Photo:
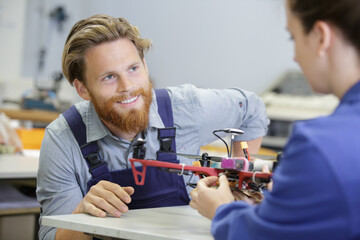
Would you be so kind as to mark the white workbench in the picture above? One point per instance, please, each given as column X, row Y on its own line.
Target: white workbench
column 13, row 166
column 180, row 222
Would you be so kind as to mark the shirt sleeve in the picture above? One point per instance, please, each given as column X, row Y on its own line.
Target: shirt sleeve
column 305, row 202
column 224, row 108
column 58, row 190
column 231, row 108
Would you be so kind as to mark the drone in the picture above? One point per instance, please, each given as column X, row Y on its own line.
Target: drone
column 242, row 173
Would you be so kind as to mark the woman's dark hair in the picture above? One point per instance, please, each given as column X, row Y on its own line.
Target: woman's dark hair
column 344, row 14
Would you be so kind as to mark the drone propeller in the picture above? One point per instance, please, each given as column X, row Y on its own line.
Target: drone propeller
column 203, row 156
column 264, row 157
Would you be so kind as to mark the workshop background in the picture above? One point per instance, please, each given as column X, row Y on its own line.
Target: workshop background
column 209, row 43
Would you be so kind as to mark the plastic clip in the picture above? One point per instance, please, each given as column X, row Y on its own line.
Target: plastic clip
column 182, row 169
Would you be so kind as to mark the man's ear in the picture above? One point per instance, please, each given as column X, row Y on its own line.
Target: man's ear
column 323, row 33
column 81, row 89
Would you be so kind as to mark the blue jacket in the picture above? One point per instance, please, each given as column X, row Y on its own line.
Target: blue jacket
column 315, row 193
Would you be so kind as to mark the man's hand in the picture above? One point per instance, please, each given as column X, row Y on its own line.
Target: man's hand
column 207, row 199
column 105, row 197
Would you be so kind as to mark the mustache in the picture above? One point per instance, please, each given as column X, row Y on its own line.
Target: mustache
column 123, row 97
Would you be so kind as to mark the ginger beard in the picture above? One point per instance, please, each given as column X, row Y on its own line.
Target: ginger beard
column 134, row 120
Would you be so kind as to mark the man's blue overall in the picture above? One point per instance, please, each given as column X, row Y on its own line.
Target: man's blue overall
column 161, row 188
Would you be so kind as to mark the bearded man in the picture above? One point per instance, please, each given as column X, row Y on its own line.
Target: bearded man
column 84, row 160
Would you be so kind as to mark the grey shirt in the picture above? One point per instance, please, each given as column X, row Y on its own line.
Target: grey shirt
column 63, row 173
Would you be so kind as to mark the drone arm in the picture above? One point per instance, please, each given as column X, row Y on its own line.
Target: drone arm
column 138, row 173
column 243, row 176
column 208, row 171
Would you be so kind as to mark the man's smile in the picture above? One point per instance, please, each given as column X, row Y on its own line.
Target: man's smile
column 130, row 100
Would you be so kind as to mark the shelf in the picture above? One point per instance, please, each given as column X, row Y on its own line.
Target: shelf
column 34, row 115
column 278, row 142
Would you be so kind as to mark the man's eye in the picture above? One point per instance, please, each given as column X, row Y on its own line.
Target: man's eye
column 133, row 69
column 109, row 77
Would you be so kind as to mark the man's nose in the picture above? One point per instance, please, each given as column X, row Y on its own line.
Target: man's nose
column 124, row 84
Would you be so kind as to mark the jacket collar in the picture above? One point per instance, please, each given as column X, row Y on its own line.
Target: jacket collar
column 353, row 94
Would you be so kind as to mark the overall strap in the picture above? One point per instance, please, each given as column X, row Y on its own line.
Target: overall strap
column 90, row 151
column 166, row 135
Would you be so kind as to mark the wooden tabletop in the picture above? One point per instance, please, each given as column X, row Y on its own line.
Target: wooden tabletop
column 35, row 115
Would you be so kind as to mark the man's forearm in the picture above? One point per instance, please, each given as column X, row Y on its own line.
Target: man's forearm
column 253, row 147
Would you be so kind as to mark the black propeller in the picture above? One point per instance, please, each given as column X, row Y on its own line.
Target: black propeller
column 206, row 157
column 203, row 156
column 264, row 157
